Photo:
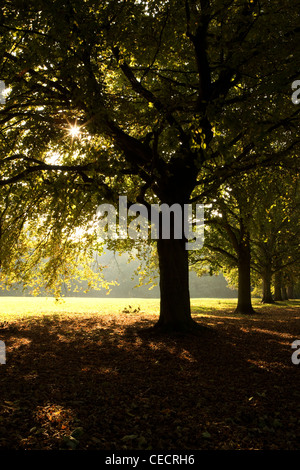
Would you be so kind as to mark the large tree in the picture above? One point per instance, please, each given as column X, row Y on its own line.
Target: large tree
column 171, row 98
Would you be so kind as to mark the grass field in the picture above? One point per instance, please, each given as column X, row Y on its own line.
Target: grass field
column 18, row 307
column 88, row 374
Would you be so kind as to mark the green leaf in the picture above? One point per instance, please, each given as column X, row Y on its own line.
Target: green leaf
column 77, row 433
column 130, row 437
column 71, row 442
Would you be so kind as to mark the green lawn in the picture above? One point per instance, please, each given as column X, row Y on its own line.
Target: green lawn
column 18, row 307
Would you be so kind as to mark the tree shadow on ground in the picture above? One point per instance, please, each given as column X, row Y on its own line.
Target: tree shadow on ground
column 111, row 383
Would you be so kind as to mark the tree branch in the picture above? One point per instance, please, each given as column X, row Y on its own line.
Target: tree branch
column 42, row 166
column 147, row 94
column 222, row 251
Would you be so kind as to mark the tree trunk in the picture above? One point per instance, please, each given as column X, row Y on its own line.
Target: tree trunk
column 244, row 305
column 277, row 286
column 175, row 310
column 290, row 290
column 284, row 293
column 267, row 295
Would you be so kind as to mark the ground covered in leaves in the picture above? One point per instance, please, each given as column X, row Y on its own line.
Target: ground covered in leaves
column 103, row 381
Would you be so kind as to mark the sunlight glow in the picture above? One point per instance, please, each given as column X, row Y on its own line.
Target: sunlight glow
column 74, row 131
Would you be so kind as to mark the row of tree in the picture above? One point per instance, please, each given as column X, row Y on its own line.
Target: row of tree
column 253, row 233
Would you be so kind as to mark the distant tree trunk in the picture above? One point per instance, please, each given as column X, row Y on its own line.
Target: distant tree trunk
column 290, row 290
column 277, row 286
column 244, row 304
column 267, row 295
column 284, row 293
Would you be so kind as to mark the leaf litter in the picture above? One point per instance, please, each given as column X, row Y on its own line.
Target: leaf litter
column 105, row 381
